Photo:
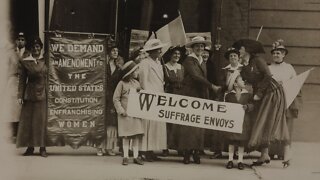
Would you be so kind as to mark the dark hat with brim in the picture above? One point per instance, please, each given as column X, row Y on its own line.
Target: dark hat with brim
column 278, row 46
column 280, row 49
column 167, row 55
column 38, row 41
column 231, row 50
column 128, row 68
column 251, row 46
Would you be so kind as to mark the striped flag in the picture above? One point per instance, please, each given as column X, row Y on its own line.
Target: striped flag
column 173, row 33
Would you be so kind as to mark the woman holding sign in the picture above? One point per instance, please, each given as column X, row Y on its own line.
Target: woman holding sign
column 268, row 96
column 173, row 76
column 151, row 78
column 282, row 71
column 32, row 96
column 195, row 84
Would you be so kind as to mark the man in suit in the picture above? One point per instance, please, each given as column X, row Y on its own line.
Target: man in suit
column 21, row 45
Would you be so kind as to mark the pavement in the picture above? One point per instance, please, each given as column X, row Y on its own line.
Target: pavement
column 65, row 163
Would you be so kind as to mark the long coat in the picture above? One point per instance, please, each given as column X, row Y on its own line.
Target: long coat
column 151, row 78
column 112, row 80
column 195, row 84
column 11, row 111
column 32, row 89
column 127, row 126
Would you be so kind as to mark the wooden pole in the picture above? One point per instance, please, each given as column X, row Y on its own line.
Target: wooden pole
column 259, row 33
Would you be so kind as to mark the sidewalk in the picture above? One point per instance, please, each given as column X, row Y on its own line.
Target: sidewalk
column 65, row 163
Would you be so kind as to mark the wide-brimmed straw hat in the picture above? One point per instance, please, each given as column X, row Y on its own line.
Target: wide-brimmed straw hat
column 128, row 68
column 278, row 46
column 252, row 46
column 198, row 40
column 232, row 78
column 231, row 50
column 153, row 44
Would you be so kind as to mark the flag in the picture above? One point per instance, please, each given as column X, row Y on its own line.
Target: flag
column 292, row 86
column 172, row 33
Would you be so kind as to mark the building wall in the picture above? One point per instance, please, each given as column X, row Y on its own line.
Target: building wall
column 297, row 23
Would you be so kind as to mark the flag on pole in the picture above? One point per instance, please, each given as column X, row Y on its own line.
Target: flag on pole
column 292, row 86
column 172, row 33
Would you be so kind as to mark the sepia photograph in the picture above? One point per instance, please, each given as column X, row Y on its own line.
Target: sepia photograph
column 159, row 89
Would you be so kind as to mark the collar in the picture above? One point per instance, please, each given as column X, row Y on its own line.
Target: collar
column 31, row 58
column 22, row 49
column 200, row 60
column 229, row 67
column 170, row 67
column 279, row 62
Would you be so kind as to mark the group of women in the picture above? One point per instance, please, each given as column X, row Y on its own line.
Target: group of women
column 177, row 73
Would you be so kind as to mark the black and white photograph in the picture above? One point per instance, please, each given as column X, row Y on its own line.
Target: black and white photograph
column 159, row 89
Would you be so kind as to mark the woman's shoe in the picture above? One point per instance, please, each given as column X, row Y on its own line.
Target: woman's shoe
column 240, row 166
column 196, row 158
column 125, row 161
column 138, row 161
column 286, row 163
column 110, row 152
column 43, row 152
column 186, row 160
column 29, row 151
column 99, row 152
column 165, row 152
column 259, row 162
column 229, row 165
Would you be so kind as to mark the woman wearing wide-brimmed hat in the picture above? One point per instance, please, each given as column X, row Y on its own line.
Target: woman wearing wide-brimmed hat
column 282, row 71
column 195, row 85
column 151, row 78
column 32, row 96
column 268, row 96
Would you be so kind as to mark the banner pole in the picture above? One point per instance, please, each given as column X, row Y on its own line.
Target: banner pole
column 116, row 21
column 78, row 33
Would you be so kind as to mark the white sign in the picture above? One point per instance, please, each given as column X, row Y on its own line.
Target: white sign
column 186, row 110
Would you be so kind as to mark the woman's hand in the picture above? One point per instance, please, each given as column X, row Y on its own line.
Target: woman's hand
column 124, row 114
column 245, row 107
column 216, row 89
column 256, row 97
column 20, row 101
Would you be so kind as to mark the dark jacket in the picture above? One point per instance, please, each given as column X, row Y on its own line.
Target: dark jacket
column 32, row 81
column 195, row 81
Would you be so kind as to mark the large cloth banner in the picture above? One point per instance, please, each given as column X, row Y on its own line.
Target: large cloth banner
column 184, row 110
column 76, row 91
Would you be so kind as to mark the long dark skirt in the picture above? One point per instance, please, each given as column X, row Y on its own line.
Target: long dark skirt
column 190, row 138
column 33, row 123
column 270, row 123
